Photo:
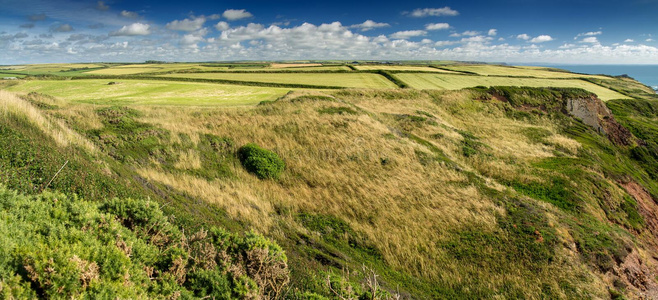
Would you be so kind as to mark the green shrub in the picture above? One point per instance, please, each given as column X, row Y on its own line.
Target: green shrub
column 261, row 162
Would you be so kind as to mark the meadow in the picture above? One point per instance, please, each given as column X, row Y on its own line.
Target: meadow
column 353, row 80
column 456, row 82
column 149, row 92
column 522, row 71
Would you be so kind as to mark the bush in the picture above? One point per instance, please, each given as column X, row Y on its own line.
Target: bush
column 261, row 162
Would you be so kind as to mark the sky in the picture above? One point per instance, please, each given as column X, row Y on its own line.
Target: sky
column 509, row 31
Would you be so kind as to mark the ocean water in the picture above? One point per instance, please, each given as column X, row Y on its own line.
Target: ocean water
column 647, row 74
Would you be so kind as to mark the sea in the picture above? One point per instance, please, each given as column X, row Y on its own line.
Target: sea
column 647, row 74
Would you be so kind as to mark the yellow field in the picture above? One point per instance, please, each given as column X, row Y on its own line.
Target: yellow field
column 356, row 80
column 400, row 68
column 496, row 70
column 151, row 92
column 278, row 66
column 456, row 82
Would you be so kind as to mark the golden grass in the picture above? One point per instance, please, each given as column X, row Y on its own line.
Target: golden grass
column 57, row 129
column 401, row 68
column 539, row 72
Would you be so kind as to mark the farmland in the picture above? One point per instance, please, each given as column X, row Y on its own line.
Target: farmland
column 456, row 82
column 146, row 92
column 403, row 173
column 354, row 80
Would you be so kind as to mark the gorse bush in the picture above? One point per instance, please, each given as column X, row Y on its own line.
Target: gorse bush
column 54, row 246
column 261, row 162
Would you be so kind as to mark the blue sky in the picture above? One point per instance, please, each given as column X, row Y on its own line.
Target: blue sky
column 512, row 31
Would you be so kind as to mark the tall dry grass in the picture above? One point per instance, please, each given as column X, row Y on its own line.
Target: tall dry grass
column 57, row 129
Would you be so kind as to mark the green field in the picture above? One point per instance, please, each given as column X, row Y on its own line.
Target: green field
column 356, row 80
column 400, row 68
column 456, row 82
column 496, row 70
column 145, row 92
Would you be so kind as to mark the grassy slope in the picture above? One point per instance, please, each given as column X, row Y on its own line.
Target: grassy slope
column 443, row 195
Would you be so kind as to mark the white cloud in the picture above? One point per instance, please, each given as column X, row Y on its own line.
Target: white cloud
column 369, row 25
column 628, row 41
column 492, row 32
column 541, row 39
column 236, row 14
column 37, row 17
column 648, row 40
column 221, row 26
column 523, row 37
column 129, row 14
column 437, row 26
column 433, row 12
column 100, row 5
column 567, row 46
column 591, row 33
column 476, row 39
column 133, row 29
column 403, row 35
column 466, row 33
column 187, row 24
column 191, row 39
column 444, row 43
column 591, row 40
column 61, row 28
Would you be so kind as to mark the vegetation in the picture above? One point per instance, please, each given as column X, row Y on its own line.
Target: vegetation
column 487, row 192
column 263, row 163
column 54, row 246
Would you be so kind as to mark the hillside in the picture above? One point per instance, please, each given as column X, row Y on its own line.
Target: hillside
column 456, row 184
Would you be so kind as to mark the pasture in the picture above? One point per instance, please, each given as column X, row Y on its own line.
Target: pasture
column 456, row 82
column 497, row 70
column 145, row 92
column 348, row 80
column 400, row 68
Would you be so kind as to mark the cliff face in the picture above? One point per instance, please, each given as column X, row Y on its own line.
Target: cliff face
column 594, row 113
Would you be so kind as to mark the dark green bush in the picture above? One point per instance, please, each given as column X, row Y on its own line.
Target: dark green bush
column 261, row 162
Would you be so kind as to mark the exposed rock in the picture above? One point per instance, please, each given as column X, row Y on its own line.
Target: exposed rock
column 594, row 113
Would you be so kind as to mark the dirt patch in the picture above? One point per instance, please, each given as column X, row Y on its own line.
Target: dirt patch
column 647, row 207
column 636, row 276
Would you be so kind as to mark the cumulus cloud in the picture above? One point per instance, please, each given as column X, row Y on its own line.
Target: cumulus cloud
column 492, row 32
column 591, row 33
column 523, row 37
column 628, row 41
column 403, row 35
column 187, row 24
column 38, row 17
column 100, row 5
column 221, row 26
column 129, row 14
column 133, row 29
column 437, row 26
column 541, row 39
column 369, row 25
column 432, row 12
column 591, row 40
column 61, row 28
column 236, row 14
column 648, row 40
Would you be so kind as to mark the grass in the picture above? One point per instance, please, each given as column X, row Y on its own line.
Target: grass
column 444, row 193
column 455, row 82
column 360, row 80
column 496, row 70
column 400, row 68
column 145, row 92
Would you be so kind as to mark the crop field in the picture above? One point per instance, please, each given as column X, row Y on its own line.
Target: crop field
column 293, row 65
column 351, row 80
column 145, row 92
column 494, row 70
column 400, row 68
column 456, row 82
